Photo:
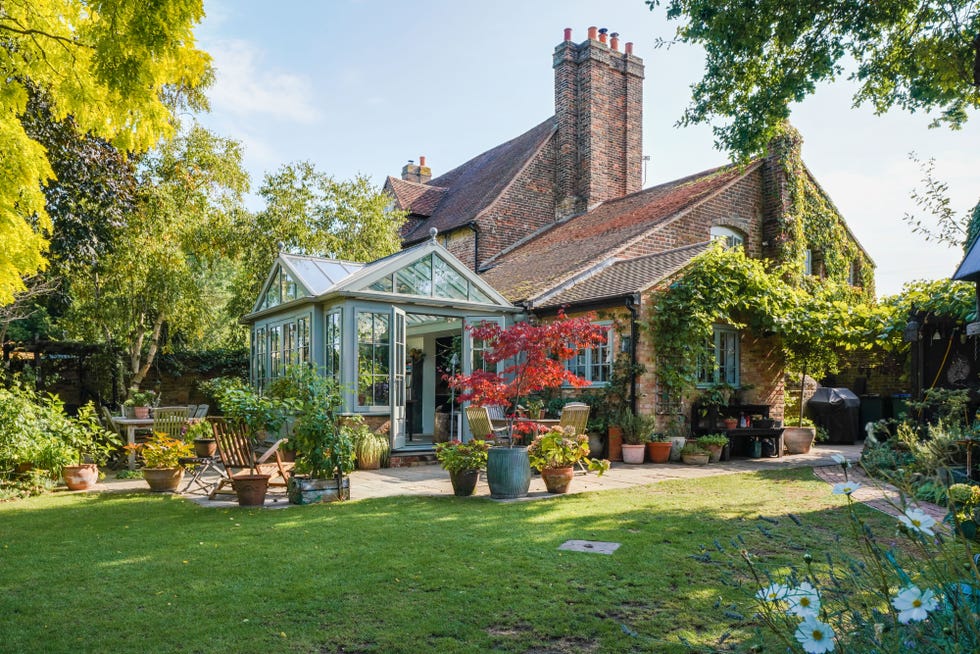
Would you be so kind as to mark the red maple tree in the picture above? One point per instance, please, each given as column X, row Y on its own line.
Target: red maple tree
column 534, row 355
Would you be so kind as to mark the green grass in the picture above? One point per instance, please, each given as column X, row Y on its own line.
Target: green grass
column 145, row 573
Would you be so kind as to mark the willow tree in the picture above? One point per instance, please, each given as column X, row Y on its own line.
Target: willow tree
column 113, row 66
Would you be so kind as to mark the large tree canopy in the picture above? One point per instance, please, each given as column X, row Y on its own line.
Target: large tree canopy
column 113, row 66
column 763, row 55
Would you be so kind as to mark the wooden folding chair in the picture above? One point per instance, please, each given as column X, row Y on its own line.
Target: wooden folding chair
column 480, row 425
column 575, row 415
column 237, row 454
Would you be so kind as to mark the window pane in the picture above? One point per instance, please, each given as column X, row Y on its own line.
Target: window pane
column 384, row 285
column 372, row 358
column 332, row 341
column 476, row 295
column 415, row 279
column 448, row 283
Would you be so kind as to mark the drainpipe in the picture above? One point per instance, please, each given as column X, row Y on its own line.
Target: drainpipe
column 476, row 244
column 633, row 306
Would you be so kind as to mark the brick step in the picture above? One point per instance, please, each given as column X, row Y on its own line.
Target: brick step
column 408, row 459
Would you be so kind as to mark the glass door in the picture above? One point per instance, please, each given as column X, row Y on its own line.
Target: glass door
column 397, row 367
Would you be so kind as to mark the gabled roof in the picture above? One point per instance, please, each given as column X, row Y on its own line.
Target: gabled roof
column 969, row 268
column 317, row 274
column 566, row 249
column 620, row 277
column 469, row 189
column 415, row 197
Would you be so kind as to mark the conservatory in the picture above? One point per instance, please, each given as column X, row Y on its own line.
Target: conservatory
column 388, row 331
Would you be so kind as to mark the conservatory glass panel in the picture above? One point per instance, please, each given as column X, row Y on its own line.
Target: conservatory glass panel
column 275, row 351
column 372, row 358
column 415, row 279
column 476, row 295
column 332, row 359
column 384, row 285
column 303, row 340
column 448, row 283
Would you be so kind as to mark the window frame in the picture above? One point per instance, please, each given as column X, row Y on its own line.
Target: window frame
column 721, row 335
column 587, row 358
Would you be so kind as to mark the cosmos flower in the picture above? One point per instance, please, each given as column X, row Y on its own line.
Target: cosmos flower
column 917, row 520
column 913, row 604
column 816, row 637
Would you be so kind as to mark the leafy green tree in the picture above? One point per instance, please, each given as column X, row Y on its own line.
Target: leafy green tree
column 310, row 212
column 166, row 273
column 917, row 55
column 116, row 67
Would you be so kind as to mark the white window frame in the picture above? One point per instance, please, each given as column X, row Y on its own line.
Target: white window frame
column 724, row 347
column 586, row 359
column 732, row 237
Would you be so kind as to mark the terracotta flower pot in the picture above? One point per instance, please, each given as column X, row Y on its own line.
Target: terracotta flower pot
column 80, row 477
column 251, row 489
column 714, row 453
column 798, row 440
column 633, row 453
column 163, row 480
column 464, row 482
column 658, row 452
column 615, row 443
column 205, row 447
column 556, row 480
column 731, row 423
column 141, row 412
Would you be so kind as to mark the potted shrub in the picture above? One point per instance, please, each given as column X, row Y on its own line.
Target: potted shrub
column 139, row 402
column 369, row 448
column 201, row 434
column 535, row 357
column 658, row 447
column 325, row 450
column 798, row 435
column 535, row 408
column 555, row 453
column 161, row 454
column 636, row 430
column 695, row 455
column 463, row 462
column 89, row 446
column 714, row 443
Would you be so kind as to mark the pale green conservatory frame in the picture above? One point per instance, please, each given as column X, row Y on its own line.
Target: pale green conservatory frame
column 356, row 322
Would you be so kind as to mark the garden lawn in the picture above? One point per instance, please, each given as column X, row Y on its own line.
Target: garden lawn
column 150, row 573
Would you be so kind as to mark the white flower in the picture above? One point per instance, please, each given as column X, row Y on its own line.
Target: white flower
column 773, row 593
column 913, row 605
column 839, row 458
column 816, row 637
column 803, row 601
column 917, row 520
column 846, row 487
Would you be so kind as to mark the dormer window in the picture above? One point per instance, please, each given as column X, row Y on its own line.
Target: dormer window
column 731, row 237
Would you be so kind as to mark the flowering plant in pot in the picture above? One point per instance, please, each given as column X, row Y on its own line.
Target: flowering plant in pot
column 162, row 456
column 555, row 453
column 534, row 357
column 463, row 462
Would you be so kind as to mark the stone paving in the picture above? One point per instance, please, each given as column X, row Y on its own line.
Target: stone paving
column 429, row 480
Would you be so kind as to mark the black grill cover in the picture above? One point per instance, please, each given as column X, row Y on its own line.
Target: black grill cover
column 837, row 410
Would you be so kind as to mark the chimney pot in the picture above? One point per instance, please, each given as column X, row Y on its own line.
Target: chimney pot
column 568, row 33
column 422, row 161
column 629, row 47
column 592, row 33
column 602, row 35
column 614, row 40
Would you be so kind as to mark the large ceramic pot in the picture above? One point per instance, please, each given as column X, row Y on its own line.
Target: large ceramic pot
column 464, row 482
column 676, row 445
column 508, row 472
column 798, row 440
column 303, row 490
column 163, row 480
column 633, row 453
column 714, row 453
column 615, row 443
column 658, row 451
column 80, row 477
column 250, row 489
column 556, row 480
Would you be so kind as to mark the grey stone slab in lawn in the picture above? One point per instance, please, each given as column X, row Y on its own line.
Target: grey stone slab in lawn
column 594, row 546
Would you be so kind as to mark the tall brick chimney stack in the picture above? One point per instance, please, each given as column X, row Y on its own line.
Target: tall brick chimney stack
column 420, row 173
column 599, row 109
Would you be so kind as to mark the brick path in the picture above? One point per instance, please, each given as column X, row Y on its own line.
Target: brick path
column 877, row 494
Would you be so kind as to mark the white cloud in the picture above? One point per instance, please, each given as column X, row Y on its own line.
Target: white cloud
column 244, row 88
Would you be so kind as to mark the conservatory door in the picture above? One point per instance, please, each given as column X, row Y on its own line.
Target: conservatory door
column 397, row 396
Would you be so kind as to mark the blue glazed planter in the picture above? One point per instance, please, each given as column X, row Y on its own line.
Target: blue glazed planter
column 508, row 472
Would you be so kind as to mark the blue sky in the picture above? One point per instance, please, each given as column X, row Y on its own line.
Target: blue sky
column 362, row 87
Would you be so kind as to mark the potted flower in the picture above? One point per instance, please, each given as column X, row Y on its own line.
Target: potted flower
column 139, row 402
column 798, row 435
column 636, row 430
column 555, row 453
column 162, row 456
column 463, row 462
column 201, row 434
column 535, row 357
column 89, row 446
column 535, row 408
column 658, row 447
column 714, row 443
column 695, row 455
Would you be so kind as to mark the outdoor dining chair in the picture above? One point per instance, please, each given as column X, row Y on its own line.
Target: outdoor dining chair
column 170, row 421
column 575, row 415
column 480, row 425
column 202, row 411
column 237, row 454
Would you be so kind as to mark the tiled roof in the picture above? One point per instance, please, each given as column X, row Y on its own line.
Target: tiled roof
column 414, row 197
column 473, row 186
column 622, row 277
column 565, row 249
